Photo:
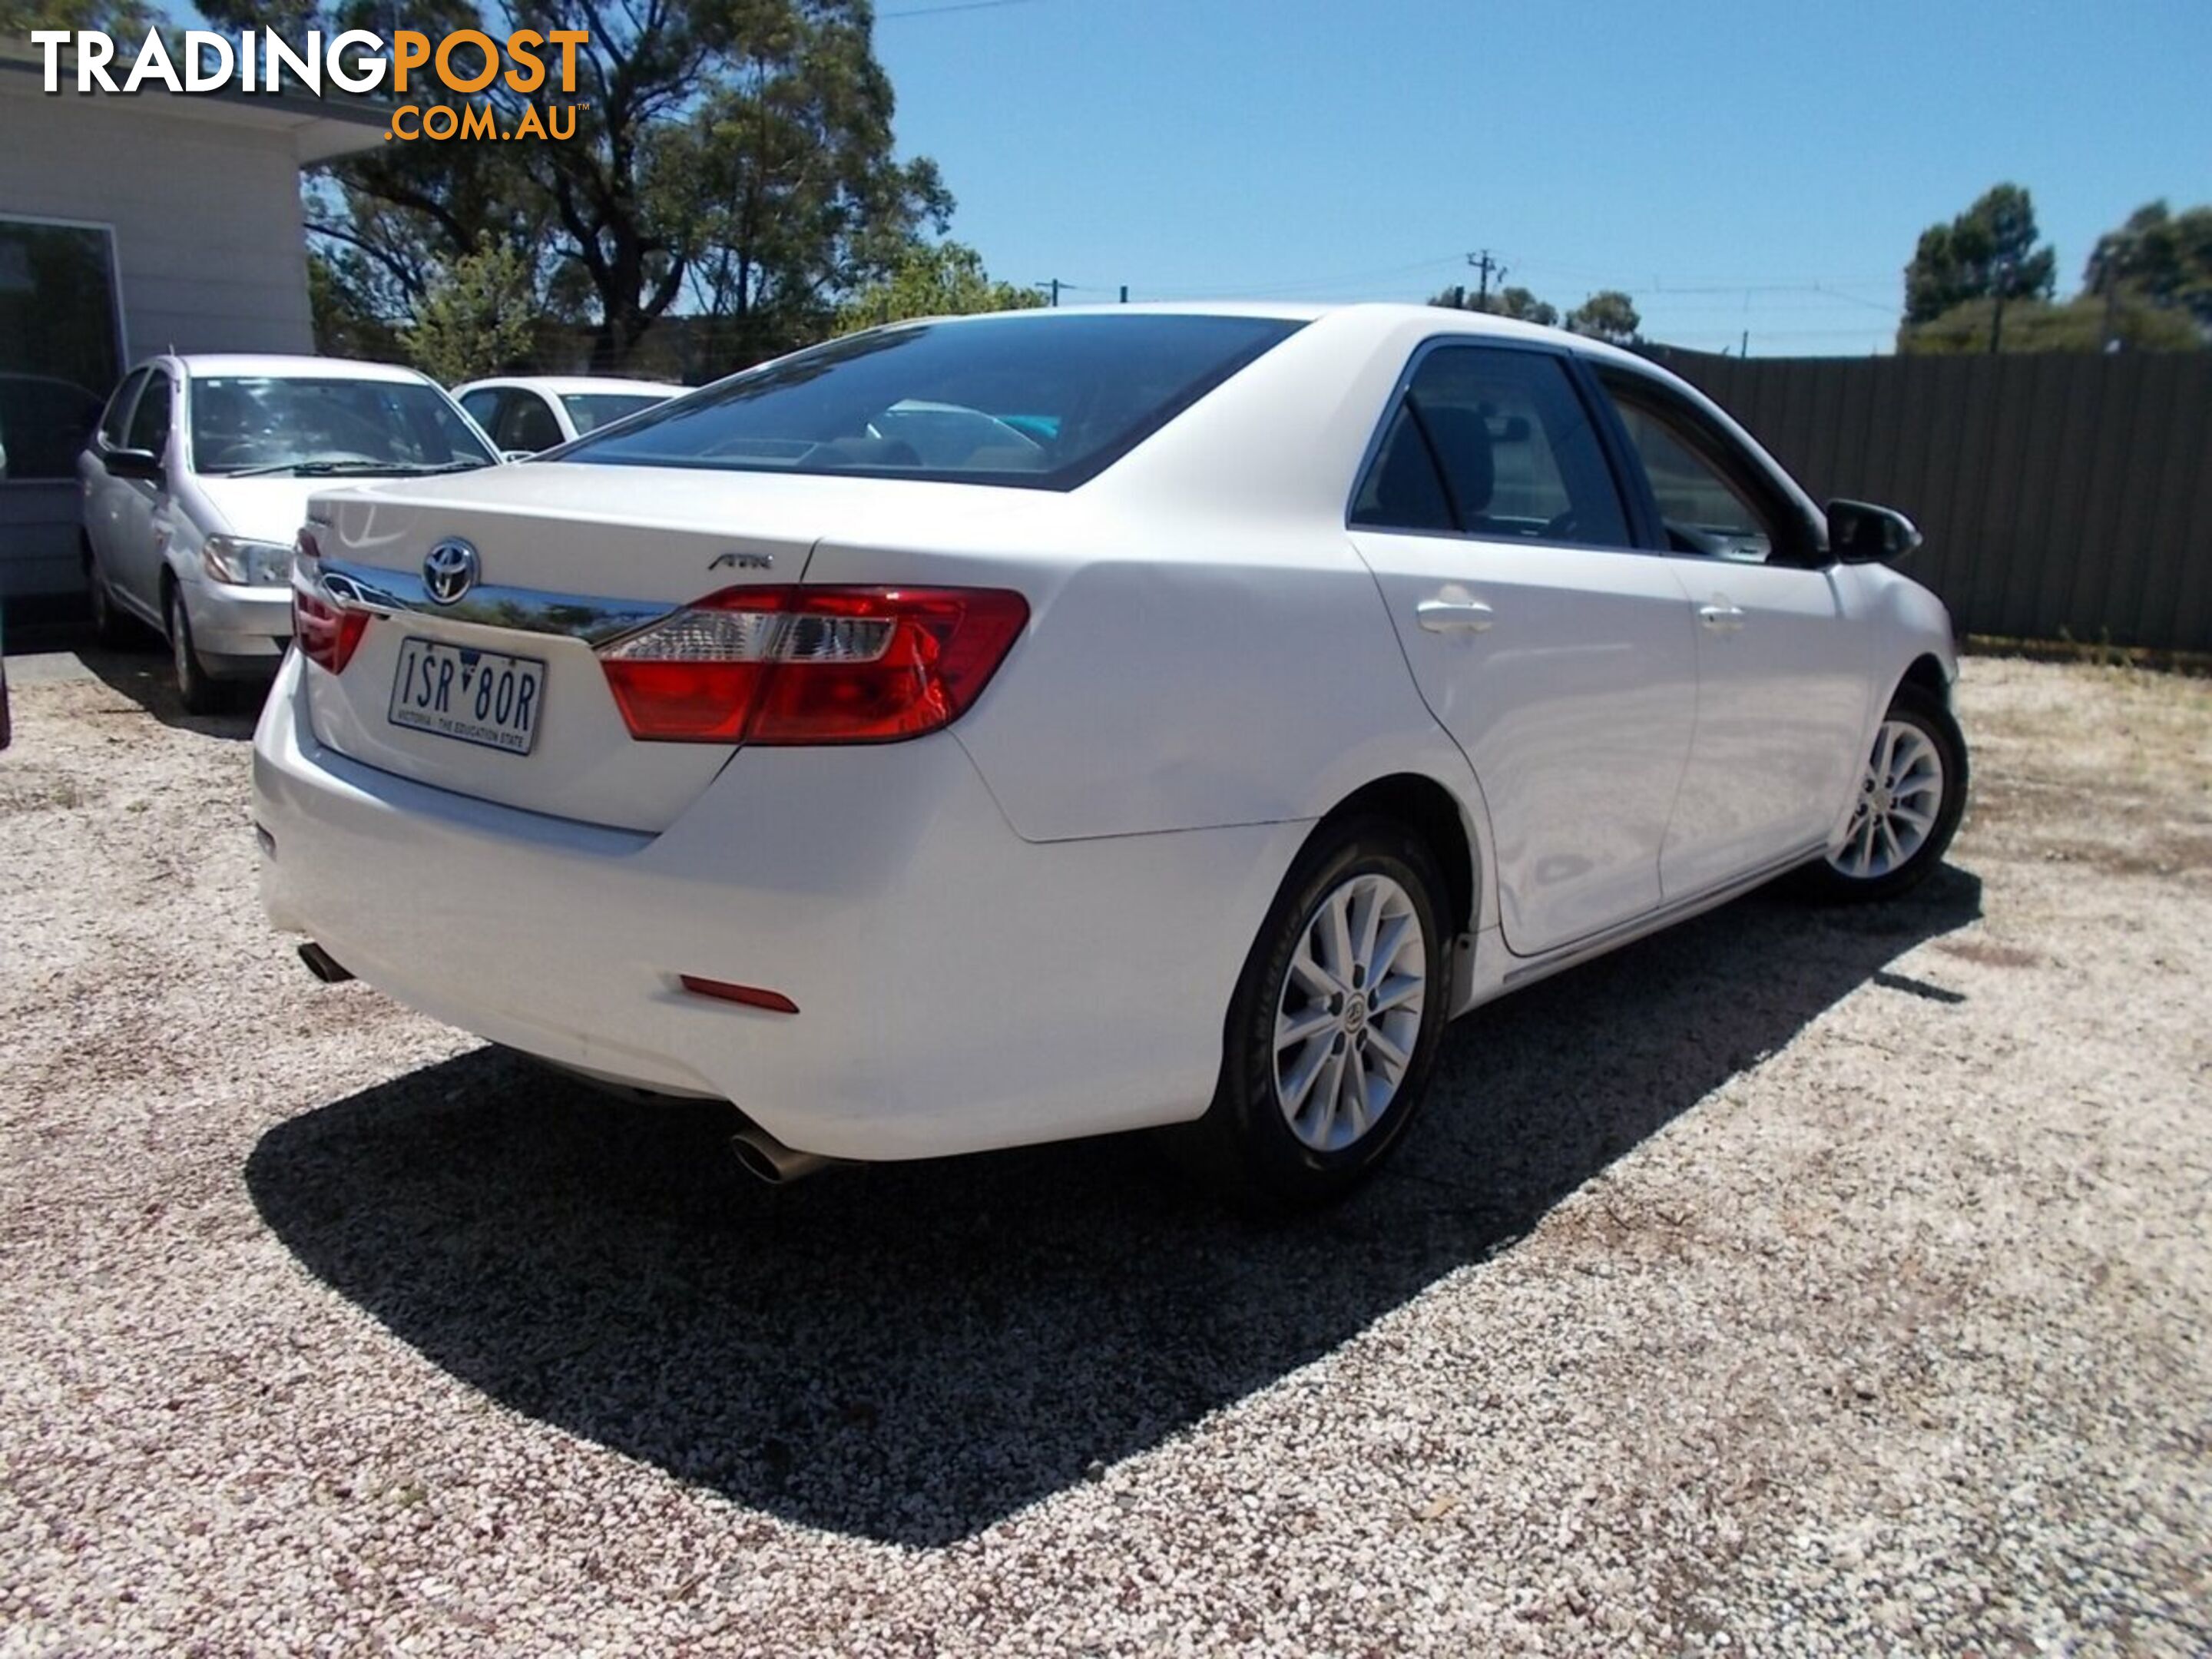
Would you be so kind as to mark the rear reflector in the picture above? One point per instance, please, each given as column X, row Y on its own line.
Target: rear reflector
column 788, row 665
column 751, row 995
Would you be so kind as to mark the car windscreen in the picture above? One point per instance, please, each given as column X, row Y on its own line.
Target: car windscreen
column 246, row 425
column 591, row 410
column 1045, row 402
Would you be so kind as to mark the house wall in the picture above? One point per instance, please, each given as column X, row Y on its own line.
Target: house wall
column 209, row 254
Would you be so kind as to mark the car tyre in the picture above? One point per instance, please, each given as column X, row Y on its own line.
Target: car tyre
column 1912, row 793
column 198, row 690
column 1335, row 1023
column 110, row 627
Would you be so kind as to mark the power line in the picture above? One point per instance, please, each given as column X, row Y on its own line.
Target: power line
column 1682, row 284
column 957, row 5
column 1264, row 290
column 1675, row 338
column 1804, row 301
column 1823, row 292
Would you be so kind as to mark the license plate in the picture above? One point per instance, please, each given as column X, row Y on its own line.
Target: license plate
column 484, row 698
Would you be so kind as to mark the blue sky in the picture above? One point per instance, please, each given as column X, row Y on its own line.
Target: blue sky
column 1733, row 167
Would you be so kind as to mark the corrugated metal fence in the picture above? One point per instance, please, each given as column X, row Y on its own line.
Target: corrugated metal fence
column 2062, row 495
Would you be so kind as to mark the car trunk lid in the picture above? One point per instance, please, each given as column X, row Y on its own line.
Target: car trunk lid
column 486, row 682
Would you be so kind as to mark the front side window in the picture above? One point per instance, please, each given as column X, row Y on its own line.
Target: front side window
column 118, row 409
column 1493, row 442
column 1706, row 508
column 57, row 344
column 1038, row 401
column 480, row 405
column 150, row 422
column 267, row 425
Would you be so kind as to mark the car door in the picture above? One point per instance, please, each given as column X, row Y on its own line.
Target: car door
column 142, row 503
column 104, row 495
column 1782, row 663
column 1561, row 658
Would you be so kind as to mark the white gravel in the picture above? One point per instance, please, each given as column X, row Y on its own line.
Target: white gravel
column 1802, row 1282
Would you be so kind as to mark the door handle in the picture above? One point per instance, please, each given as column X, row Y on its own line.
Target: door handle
column 1454, row 615
column 1721, row 617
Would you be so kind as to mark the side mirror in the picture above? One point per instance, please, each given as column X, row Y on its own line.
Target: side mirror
column 133, row 464
column 1859, row 532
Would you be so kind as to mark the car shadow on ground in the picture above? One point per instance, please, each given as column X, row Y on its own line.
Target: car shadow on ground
column 910, row 1352
column 142, row 673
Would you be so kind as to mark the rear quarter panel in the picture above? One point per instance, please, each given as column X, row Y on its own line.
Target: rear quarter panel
column 1191, row 679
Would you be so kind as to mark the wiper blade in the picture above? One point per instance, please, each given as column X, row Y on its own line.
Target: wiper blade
column 319, row 470
column 348, row 469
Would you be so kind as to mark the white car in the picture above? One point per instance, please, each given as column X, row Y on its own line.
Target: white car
column 1300, row 679
column 526, row 414
column 197, row 475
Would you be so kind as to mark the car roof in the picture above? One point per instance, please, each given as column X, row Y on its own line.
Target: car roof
column 567, row 385
column 288, row 365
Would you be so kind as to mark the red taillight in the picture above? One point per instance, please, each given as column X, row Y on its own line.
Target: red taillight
column 812, row 664
column 326, row 634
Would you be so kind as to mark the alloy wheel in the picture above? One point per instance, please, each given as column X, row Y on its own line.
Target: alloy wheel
column 1348, row 1012
column 1900, row 798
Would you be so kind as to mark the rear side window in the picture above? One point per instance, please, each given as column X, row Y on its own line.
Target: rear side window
column 1495, row 443
column 1045, row 402
column 150, row 422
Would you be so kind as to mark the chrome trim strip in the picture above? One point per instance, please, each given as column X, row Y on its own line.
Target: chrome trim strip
column 596, row 621
column 1651, row 921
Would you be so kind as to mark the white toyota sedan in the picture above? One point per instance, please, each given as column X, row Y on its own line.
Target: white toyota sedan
column 1251, row 690
column 527, row 413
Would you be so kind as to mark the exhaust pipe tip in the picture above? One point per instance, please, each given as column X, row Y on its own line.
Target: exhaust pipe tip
column 766, row 1158
column 323, row 965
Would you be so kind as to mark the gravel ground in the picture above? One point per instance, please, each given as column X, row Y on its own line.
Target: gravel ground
column 1799, row 1282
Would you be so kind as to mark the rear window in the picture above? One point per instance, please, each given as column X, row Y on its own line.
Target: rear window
column 1041, row 402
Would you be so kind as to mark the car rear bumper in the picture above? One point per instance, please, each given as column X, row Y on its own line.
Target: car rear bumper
column 959, row 988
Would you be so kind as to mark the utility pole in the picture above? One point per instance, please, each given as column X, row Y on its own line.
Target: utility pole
column 1125, row 294
column 1997, row 314
column 1056, row 289
column 1484, row 267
